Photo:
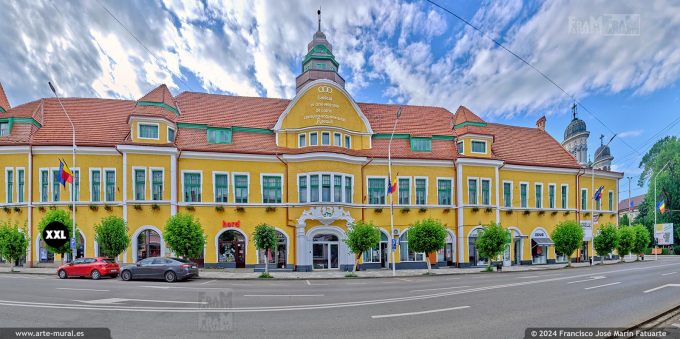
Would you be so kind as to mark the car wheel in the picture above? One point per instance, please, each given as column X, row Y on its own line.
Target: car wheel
column 62, row 274
column 126, row 275
column 95, row 275
column 170, row 276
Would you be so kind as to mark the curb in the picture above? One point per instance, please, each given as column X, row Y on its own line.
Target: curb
column 651, row 322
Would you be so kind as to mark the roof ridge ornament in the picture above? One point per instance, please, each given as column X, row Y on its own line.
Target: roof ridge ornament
column 318, row 12
column 573, row 109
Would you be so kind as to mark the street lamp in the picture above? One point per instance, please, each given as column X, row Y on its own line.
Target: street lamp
column 389, row 170
column 655, row 207
column 592, row 218
column 73, row 182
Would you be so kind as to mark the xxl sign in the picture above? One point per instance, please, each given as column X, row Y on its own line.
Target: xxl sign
column 55, row 234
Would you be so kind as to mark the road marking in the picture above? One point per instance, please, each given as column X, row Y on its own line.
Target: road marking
column 662, row 286
column 669, row 273
column 598, row 286
column 357, row 283
column 417, row 313
column 308, row 283
column 207, row 282
column 283, row 295
column 81, row 289
column 189, row 288
column 437, row 289
column 403, row 279
column 119, row 300
column 538, row 276
column 586, row 280
column 676, row 325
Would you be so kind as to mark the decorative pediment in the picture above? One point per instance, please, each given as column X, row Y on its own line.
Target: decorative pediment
column 326, row 215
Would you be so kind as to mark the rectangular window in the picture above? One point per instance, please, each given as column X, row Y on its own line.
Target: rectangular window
column 486, row 192
column 313, row 139
column 4, row 129
column 507, row 194
column 611, row 201
column 44, row 186
column 314, row 188
column 140, row 184
column 148, row 131
column 337, row 188
column 325, row 138
column 551, row 196
column 218, row 136
column 348, row 190
column 110, row 183
column 472, row 191
column 598, row 204
column 564, row 196
column 271, row 189
column 584, row 199
column 421, row 191
column 337, row 139
column 156, row 185
column 95, row 185
column 192, row 187
column 348, row 141
column 421, row 144
column 76, row 184
column 20, row 184
column 444, row 192
column 171, row 134
column 478, row 146
column 539, row 196
column 302, row 189
column 460, row 147
column 302, row 140
column 10, row 186
column 221, row 187
column 404, row 187
column 376, row 191
column 241, row 189
column 326, row 188
column 523, row 195
column 55, row 185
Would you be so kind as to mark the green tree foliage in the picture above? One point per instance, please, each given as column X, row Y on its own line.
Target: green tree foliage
column 361, row 238
column 63, row 217
column 111, row 234
column 265, row 240
column 184, row 235
column 427, row 235
column 626, row 241
column 624, row 220
column 606, row 241
column 568, row 237
column 13, row 242
column 641, row 239
column 492, row 241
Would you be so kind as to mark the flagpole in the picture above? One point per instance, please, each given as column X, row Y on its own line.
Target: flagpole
column 655, row 206
column 389, row 170
column 73, row 181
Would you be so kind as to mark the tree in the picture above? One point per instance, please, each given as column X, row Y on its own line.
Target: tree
column 624, row 220
column 567, row 236
column 184, row 235
column 641, row 240
column 265, row 239
column 60, row 216
column 13, row 242
column 361, row 238
column 427, row 235
column 492, row 241
column 112, row 236
column 606, row 241
column 626, row 241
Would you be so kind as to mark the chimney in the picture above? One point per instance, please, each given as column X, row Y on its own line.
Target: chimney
column 540, row 123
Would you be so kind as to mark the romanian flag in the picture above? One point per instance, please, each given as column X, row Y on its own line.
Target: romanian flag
column 65, row 174
column 391, row 186
column 598, row 193
column 661, row 206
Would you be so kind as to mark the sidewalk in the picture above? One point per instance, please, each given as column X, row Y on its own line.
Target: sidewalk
column 382, row 273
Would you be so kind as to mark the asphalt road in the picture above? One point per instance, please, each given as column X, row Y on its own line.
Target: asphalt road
column 489, row 305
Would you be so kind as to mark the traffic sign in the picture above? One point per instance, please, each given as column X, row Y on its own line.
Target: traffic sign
column 394, row 244
column 73, row 243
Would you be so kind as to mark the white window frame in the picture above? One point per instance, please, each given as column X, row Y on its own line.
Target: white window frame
column 610, row 196
column 566, row 203
column 80, row 184
column 214, row 185
column 167, row 134
column 463, row 149
column 115, row 183
column 536, row 184
column 9, row 193
column 453, row 190
column 134, row 182
column 410, row 191
column 580, row 202
column 101, row 183
column 339, row 136
column 520, row 193
column 151, row 170
column 427, row 183
column 481, row 193
column 16, row 183
column 348, row 141
column 49, row 183
column 554, row 202
column 316, row 140
column 472, row 141
column 8, row 129
column 302, row 136
column 139, row 129
column 307, row 189
column 329, row 138
column 320, row 174
column 262, row 175
column 233, row 186
column 368, row 198
column 200, row 173
column 477, row 193
column 511, row 193
column 52, row 170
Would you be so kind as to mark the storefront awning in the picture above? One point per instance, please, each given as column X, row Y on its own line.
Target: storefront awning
column 543, row 241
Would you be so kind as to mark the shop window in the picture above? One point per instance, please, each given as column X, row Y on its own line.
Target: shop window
column 375, row 254
column 278, row 256
column 148, row 244
column 405, row 254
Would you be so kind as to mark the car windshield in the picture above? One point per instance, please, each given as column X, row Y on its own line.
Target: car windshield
column 108, row 261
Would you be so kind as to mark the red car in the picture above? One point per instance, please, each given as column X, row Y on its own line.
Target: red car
column 94, row 268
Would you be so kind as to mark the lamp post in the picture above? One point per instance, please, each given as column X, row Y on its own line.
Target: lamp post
column 73, row 182
column 389, row 170
column 655, row 207
column 629, row 206
column 592, row 218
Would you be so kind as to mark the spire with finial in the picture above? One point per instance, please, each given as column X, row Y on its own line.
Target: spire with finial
column 319, row 62
column 601, row 139
column 318, row 12
column 573, row 110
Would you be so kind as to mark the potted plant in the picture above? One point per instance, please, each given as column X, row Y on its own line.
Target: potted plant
column 527, row 212
column 155, row 207
column 137, row 207
column 108, row 208
column 270, row 209
column 488, row 209
column 191, row 208
column 219, row 208
column 94, row 207
column 240, row 209
column 378, row 210
column 422, row 210
column 17, row 209
column 475, row 209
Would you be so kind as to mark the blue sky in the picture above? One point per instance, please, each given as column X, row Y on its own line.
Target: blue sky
column 389, row 51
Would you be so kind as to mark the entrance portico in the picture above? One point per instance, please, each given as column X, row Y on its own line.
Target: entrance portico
column 323, row 246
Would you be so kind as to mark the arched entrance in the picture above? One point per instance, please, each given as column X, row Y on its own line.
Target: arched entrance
column 305, row 248
column 473, row 255
column 231, row 248
column 377, row 256
column 44, row 254
column 325, row 251
column 514, row 258
column 148, row 244
column 80, row 247
column 539, row 246
column 446, row 255
column 405, row 253
column 279, row 256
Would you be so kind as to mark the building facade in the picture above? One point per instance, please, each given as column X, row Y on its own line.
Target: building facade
column 310, row 166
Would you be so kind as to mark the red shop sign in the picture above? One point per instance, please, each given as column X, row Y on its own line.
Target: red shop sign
column 236, row 223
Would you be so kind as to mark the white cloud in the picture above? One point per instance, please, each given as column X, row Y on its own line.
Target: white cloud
column 631, row 133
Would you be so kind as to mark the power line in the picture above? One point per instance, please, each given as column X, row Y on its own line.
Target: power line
column 545, row 76
column 668, row 127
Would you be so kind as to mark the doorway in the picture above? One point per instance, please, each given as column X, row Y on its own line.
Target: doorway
column 325, row 251
column 232, row 248
column 584, row 252
column 383, row 254
column 517, row 246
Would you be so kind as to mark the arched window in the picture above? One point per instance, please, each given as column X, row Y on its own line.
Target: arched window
column 148, row 244
column 375, row 255
column 474, row 256
column 279, row 255
column 325, row 251
column 44, row 254
column 446, row 254
column 231, row 248
column 405, row 253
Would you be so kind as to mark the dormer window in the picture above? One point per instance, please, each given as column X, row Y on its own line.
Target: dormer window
column 171, row 134
column 461, row 147
column 4, row 129
column 421, row 144
column 478, row 146
column 218, row 136
column 148, row 131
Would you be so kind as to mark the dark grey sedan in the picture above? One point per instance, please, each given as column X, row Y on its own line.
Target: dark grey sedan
column 168, row 269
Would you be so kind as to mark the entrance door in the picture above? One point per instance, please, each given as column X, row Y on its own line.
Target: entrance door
column 232, row 248
column 383, row 254
column 518, row 251
column 239, row 253
column 325, row 251
column 506, row 256
column 584, row 252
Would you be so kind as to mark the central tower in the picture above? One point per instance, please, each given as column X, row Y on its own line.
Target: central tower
column 319, row 63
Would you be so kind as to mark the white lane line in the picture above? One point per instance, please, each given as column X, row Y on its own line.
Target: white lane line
column 539, row 276
column 669, row 273
column 356, row 283
column 586, row 280
column 190, row 288
column 308, row 283
column 660, row 287
column 283, row 295
column 528, row 277
column 207, row 282
column 119, row 300
column 438, row 289
column 417, row 313
column 403, row 279
column 81, row 289
column 676, row 325
column 598, row 286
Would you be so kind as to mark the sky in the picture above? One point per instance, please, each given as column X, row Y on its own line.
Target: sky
column 620, row 59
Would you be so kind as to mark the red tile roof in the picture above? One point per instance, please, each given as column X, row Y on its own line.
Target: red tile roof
column 4, row 103
column 463, row 114
column 636, row 200
column 528, row 146
column 226, row 111
column 160, row 94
